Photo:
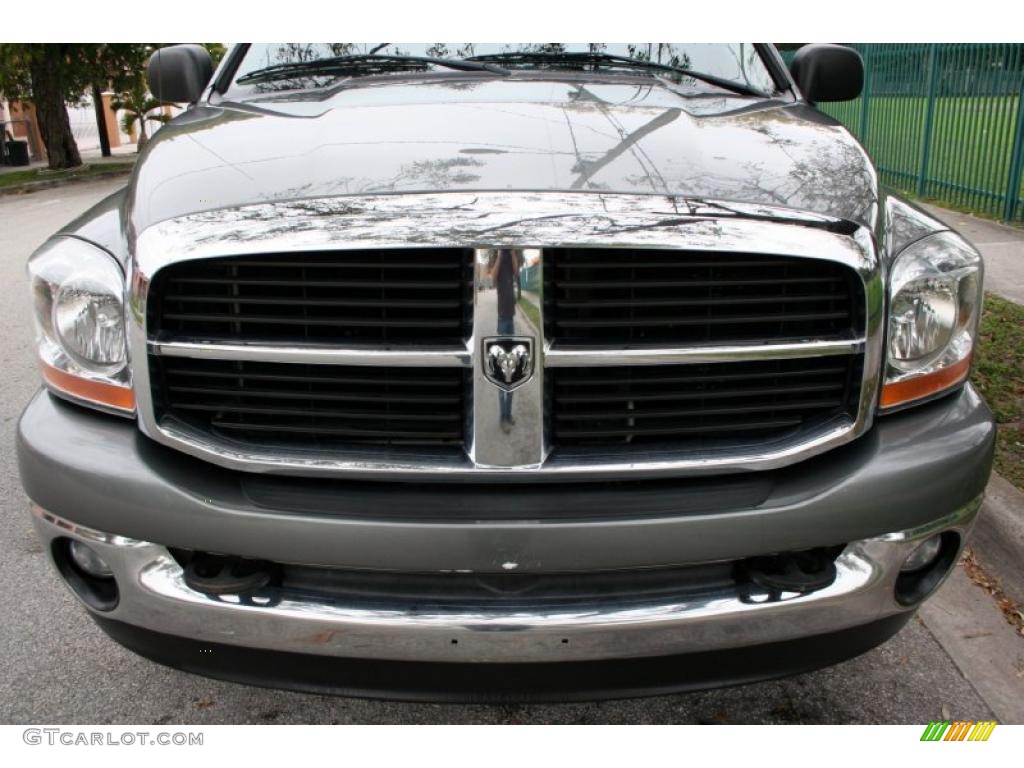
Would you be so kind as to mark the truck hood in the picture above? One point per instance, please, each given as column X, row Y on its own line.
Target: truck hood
column 461, row 134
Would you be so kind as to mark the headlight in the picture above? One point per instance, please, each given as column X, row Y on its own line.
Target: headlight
column 934, row 305
column 78, row 302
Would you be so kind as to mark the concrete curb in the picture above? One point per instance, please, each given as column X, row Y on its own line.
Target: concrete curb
column 966, row 621
column 987, row 650
column 998, row 538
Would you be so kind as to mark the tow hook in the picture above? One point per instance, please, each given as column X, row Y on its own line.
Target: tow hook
column 224, row 575
column 795, row 572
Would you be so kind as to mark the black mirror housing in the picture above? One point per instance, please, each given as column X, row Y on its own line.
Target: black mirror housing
column 179, row 73
column 827, row 72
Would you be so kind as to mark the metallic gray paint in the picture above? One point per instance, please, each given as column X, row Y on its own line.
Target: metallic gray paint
column 180, row 173
column 629, row 135
column 103, row 225
column 911, row 469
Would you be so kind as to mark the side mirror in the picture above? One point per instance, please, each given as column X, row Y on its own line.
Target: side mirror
column 827, row 72
column 179, row 73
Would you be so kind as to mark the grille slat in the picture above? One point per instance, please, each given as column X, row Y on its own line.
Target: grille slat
column 439, row 304
column 300, row 264
column 713, row 377
column 405, row 396
column 703, row 302
column 703, row 429
column 583, row 263
column 701, row 321
column 715, row 411
column 434, row 284
column 645, row 395
column 318, row 413
column 368, row 435
column 709, row 283
column 228, row 318
column 426, row 379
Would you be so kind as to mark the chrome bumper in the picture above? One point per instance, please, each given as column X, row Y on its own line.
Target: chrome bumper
column 154, row 596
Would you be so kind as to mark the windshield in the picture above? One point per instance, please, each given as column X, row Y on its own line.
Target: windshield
column 270, row 67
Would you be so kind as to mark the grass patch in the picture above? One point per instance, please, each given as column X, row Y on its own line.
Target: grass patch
column 999, row 376
column 32, row 175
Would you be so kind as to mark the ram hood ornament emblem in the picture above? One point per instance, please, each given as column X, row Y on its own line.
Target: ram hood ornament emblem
column 508, row 360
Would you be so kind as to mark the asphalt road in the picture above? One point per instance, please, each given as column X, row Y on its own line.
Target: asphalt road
column 57, row 667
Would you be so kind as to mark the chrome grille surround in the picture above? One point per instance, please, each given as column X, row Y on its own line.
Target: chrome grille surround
column 523, row 222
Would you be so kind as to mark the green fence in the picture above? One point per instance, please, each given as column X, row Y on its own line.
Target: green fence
column 944, row 121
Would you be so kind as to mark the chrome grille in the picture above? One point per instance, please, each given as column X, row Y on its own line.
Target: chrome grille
column 313, row 347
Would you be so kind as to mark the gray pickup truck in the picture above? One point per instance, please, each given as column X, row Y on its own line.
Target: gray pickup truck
column 463, row 371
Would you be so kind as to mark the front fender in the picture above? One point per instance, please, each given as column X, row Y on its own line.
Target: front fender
column 904, row 223
column 103, row 225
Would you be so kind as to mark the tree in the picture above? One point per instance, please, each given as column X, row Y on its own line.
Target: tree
column 137, row 104
column 43, row 74
column 54, row 75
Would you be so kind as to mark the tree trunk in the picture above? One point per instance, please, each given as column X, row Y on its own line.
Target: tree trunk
column 48, row 95
column 101, row 121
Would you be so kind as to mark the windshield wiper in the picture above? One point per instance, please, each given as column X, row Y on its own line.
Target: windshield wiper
column 596, row 58
column 369, row 63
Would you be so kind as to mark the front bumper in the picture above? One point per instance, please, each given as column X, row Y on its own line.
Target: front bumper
column 96, row 479
column 154, row 596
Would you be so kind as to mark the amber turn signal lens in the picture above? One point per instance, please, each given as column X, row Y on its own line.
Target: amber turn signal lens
column 909, row 390
column 101, row 393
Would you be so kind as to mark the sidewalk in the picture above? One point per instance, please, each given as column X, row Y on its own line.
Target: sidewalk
column 1001, row 245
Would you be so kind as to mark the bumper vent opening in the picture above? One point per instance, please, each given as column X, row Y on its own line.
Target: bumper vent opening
column 99, row 593
column 758, row 579
column 698, row 407
column 627, row 297
column 350, row 297
column 318, row 406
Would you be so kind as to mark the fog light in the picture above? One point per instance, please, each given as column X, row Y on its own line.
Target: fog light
column 926, row 567
column 86, row 558
column 923, row 556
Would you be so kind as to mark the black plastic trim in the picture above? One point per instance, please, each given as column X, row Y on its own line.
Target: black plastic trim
column 100, row 594
column 914, row 587
column 562, row 681
column 222, row 81
column 776, row 67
